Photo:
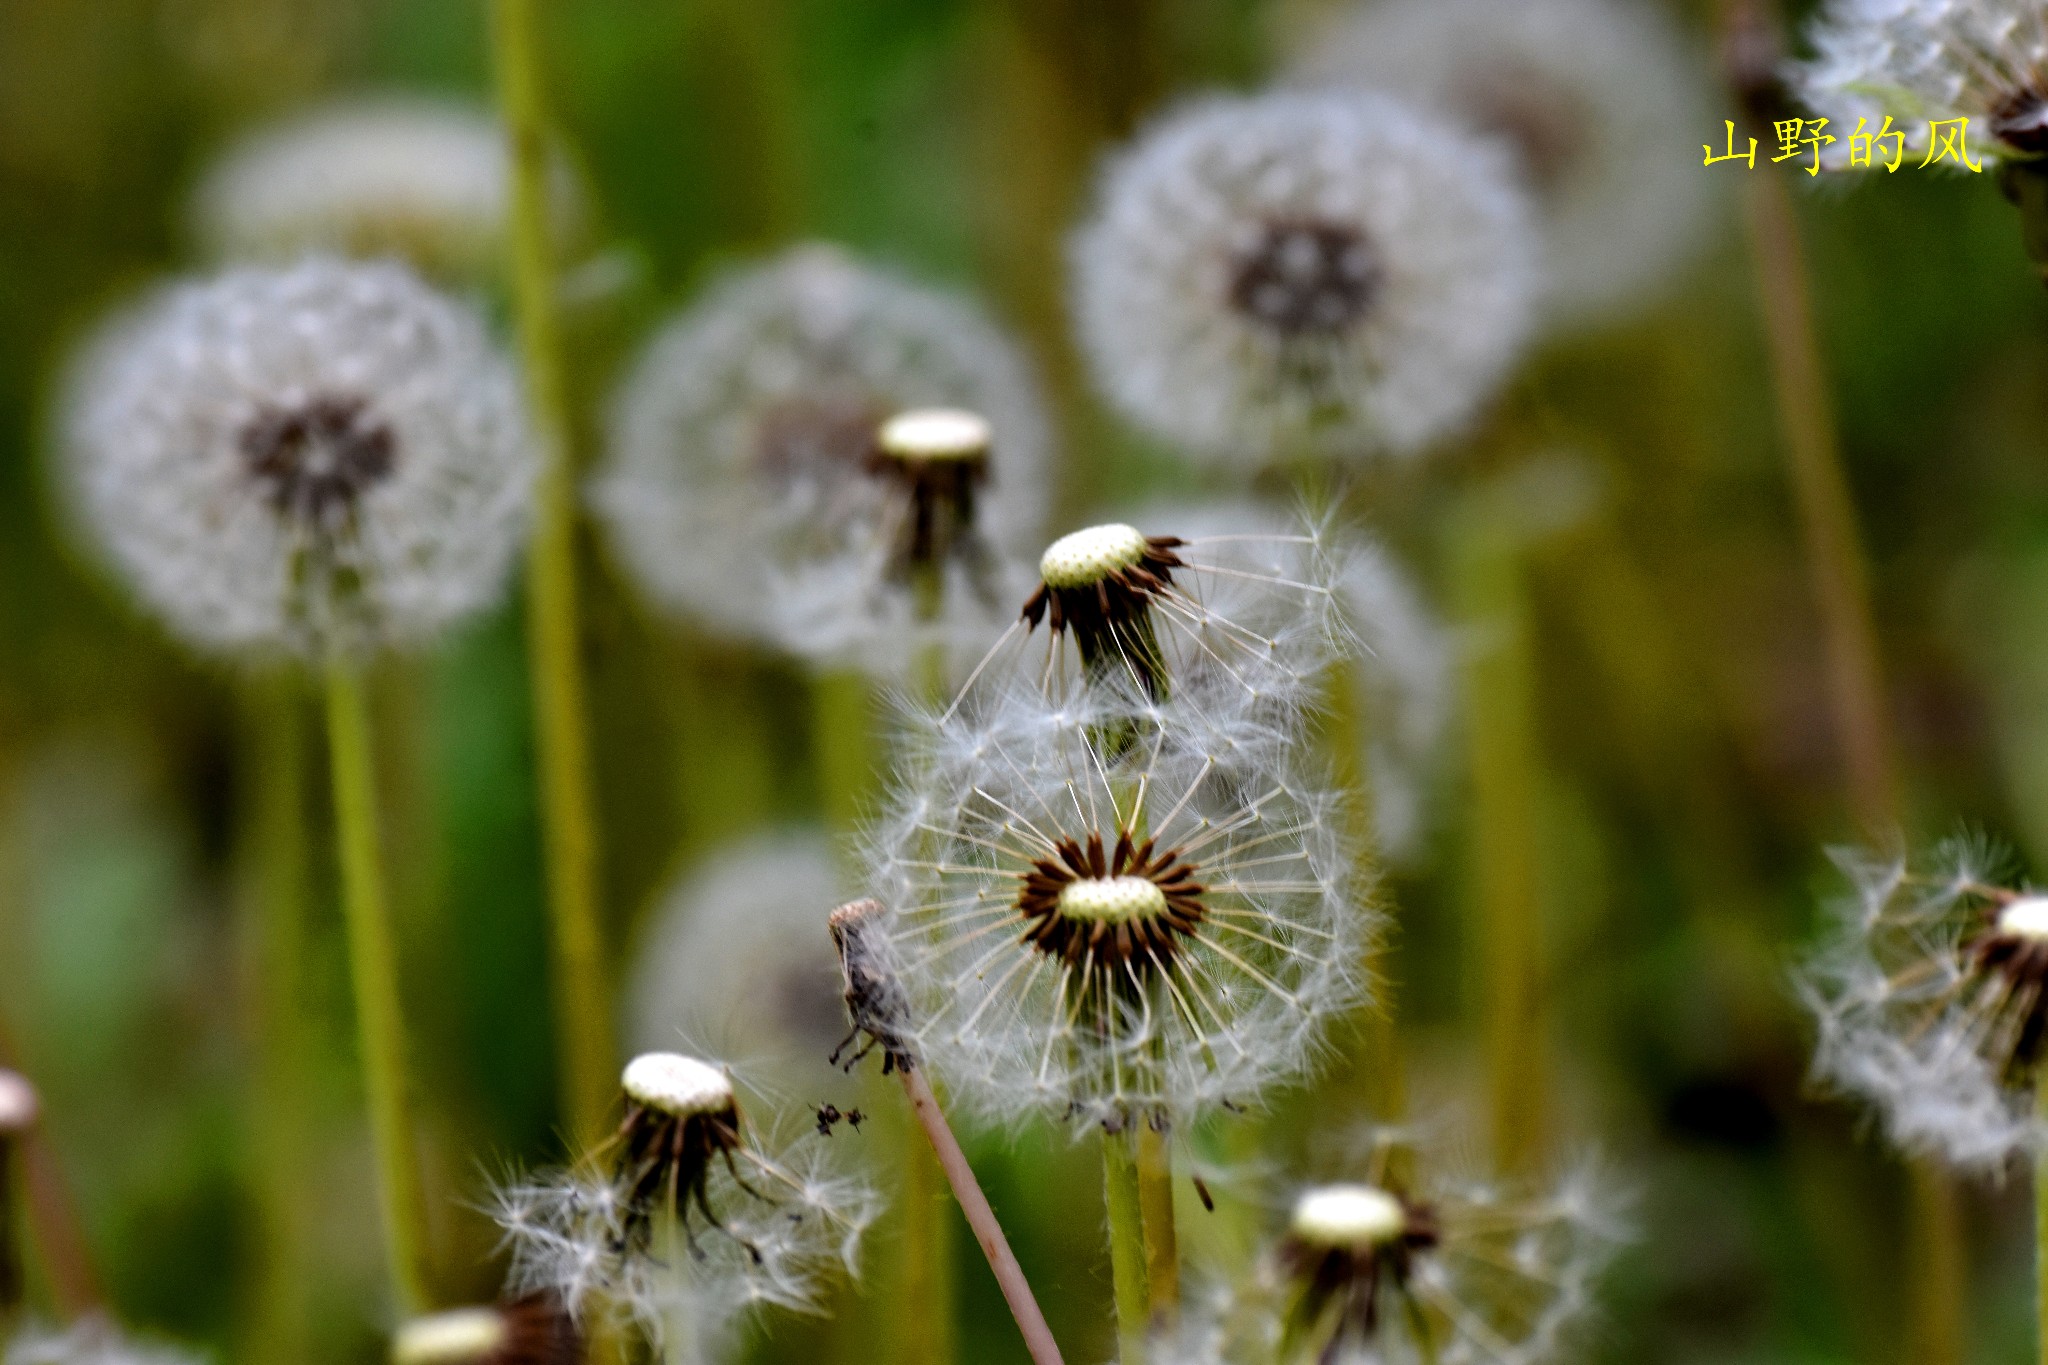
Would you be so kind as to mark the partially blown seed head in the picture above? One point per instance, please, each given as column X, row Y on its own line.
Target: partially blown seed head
column 830, row 458
column 1304, row 274
column 423, row 181
column 327, row 455
column 1591, row 96
column 687, row 1218
column 1136, row 936
column 1921, row 61
column 1931, row 994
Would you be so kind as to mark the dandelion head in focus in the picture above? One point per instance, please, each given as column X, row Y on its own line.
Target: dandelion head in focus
column 1925, row 61
column 90, row 1341
column 422, row 181
column 738, row 954
column 834, row 460
column 533, row 1330
column 1137, row 936
column 1460, row 1273
column 323, row 456
column 1304, row 274
column 1591, row 96
column 688, row 1217
column 1931, row 995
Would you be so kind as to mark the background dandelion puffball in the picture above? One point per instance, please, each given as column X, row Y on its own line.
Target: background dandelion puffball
column 1593, row 97
column 1292, row 274
column 328, row 454
column 733, row 485
column 422, row 180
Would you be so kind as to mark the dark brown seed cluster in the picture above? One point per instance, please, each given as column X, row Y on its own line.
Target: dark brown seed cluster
column 875, row 1005
column 938, row 499
column 1147, row 941
column 1544, row 122
column 315, row 460
column 538, row 1331
column 1110, row 617
column 1341, row 1289
column 2020, row 120
column 2022, row 961
column 1306, row 278
column 665, row 1165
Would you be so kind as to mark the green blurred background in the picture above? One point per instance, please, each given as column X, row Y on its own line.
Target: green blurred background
column 1691, row 781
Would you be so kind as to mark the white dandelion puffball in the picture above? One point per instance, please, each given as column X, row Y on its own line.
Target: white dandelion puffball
column 1368, row 1272
column 1293, row 274
column 1110, row 937
column 1922, row 61
column 1400, row 652
column 689, row 1218
column 740, row 950
column 747, row 483
column 329, row 455
column 1597, row 99
column 425, row 181
column 90, row 1341
column 1931, row 996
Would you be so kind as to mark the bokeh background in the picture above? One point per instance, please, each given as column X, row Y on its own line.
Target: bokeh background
column 1691, row 782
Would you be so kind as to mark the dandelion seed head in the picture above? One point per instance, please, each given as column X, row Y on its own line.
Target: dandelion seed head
column 426, row 182
column 678, row 1086
column 532, row 1330
column 1920, row 61
column 1111, row 934
column 327, row 455
column 1589, row 95
column 1303, row 273
column 1930, row 997
column 1348, row 1216
column 831, row 459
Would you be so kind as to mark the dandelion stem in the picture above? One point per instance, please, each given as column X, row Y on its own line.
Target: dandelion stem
column 1937, row 1269
column 583, row 1018
column 988, row 1231
column 373, row 965
column 1162, row 1242
column 1125, row 1204
column 275, row 901
column 1501, row 743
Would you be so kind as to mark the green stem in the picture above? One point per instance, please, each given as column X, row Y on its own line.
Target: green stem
column 275, row 900
column 373, row 965
column 1162, row 1239
column 1125, row 1203
column 588, row 1057
column 1501, row 751
column 1937, row 1268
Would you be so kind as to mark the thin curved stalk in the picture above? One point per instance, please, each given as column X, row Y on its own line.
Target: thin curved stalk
column 588, row 1056
column 1038, row 1339
column 373, row 967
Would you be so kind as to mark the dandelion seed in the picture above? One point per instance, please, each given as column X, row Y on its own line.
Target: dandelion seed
column 1368, row 1271
column 528, row 1331
column 1590, row 95
column 91, row 1341
column 1927, row 61
column 1141, row 935
column 1304, row 274
column 423, row 181
column 1400, row 651
column 738, row 954
column 1931, row 993
column 831, row 459
column 690, row 1219
column 327, row 455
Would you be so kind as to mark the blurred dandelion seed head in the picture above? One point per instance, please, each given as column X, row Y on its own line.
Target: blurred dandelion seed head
column 1589, row 95
column 1348, row 1216
column 1930, row 993
column 459, row 1336
column 1921, row 61
column 90, row 1341
column 19, row 1106
column 422, row 181
column 777, row 468
column 1294, row 274
column 325, row 455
